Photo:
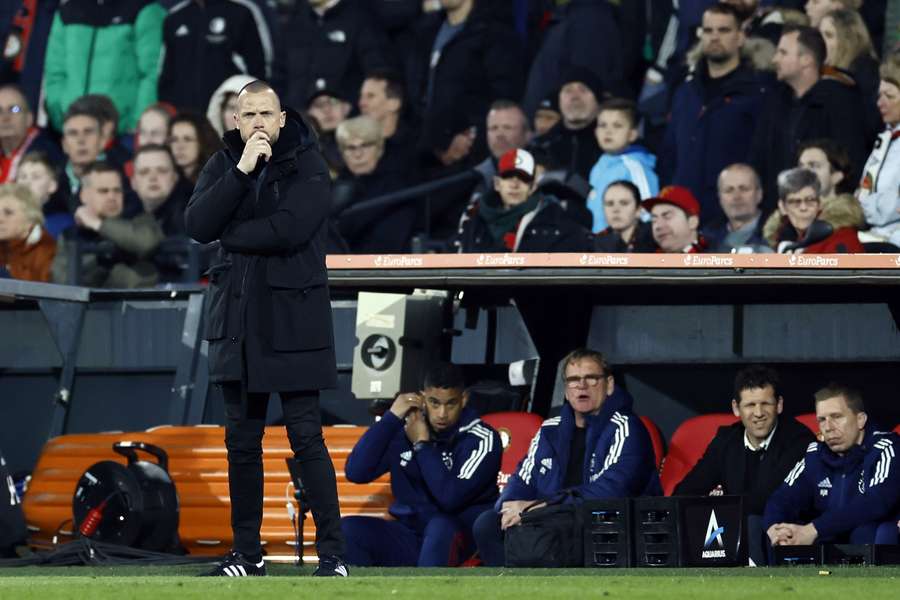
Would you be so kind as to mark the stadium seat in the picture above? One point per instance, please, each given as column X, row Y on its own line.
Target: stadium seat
column 516, row 430
column 897, row 429
column 687, row 446
column 809, row 419
column 198, row 467
column 656, row 438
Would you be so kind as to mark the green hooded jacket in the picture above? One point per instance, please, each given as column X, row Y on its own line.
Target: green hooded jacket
column 109, row 47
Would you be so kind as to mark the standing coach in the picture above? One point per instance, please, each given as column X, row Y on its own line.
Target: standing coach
column 265, row 198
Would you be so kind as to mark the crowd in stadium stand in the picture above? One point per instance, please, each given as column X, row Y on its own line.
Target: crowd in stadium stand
column 663, row 126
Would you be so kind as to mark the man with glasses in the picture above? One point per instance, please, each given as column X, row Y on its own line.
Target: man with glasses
column 597, row 448
column 18, row 134
column 443, row 460
column 751, row 457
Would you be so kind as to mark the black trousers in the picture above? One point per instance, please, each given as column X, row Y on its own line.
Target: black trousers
column 245, row 425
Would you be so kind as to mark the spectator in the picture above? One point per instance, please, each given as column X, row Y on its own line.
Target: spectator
column 192, row 141
column 625, row 231
column 879, row 190
column 849, row 48
column 120, row 258
column 380, row 229
column 161, row 191
column 82, row 143
column 28, row 27
column 103, row 108
column 335, row 40
column 464, row 60
column 153, row 125
column 849, row 483
column 799, row 204
column 675, row 215
column 831, row 165
column 740, row 196
column 26, row 249
column 205, row 43
column 382, row 97
column 572, row 145
column 583, row 34
column 443, row 462
column 597, row 423
column 806, row 106
column 39, row 175
column 519, row 218
column 616, row 133
column 329, row 108
column 752, row 457
column 547, row 114
column 18, row 134
column 507, row 129
column 223, row 103
column 110, row 48
column 714, row 112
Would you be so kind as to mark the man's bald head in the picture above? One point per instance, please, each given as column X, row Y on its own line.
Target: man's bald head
column 258, row 86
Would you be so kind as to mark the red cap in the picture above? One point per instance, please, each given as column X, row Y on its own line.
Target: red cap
column 675, row 195
column 516, row 162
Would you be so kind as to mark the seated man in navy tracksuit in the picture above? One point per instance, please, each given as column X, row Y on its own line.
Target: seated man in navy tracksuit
column 443, row 461
column 845, row 489
column 597, row 446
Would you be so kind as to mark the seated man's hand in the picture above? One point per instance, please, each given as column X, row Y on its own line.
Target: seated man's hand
column 803, row 535
column 87, row 218
column 511, row 512
column 780, row 534
column 405, row 403
column 717, row 491
column 416, row 427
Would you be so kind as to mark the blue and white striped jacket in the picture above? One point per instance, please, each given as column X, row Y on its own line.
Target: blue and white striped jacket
column 619, row 461
column 840, row 493
column 455, row 473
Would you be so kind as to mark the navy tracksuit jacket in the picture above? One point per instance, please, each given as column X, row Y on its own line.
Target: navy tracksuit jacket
column 839, row 494
column 456, row 472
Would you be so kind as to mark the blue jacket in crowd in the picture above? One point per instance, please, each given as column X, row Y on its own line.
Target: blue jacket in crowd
column 634, row 164
column 456, row 472
column 840, row 493
column 619, row 461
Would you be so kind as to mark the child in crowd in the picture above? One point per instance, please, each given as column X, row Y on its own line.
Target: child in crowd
column 40, row 176
column 622, row 159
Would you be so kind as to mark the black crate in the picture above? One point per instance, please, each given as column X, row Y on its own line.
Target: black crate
column 656, row 532
column 607, row 533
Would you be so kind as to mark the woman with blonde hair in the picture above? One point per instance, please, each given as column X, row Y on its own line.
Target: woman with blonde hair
column 26, row 249
column 878, row 189
column 849, row 48
column 382, row 228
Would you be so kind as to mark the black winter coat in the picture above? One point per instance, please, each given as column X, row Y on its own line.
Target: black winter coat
column 573, row 151
column 205, row 45
column 707, row 133
column 340, row 47
column 641, row 240
column 724, row 463
column 481, row 64
column 832, row 109
column 268, row 310
column 384, row 229
column 585, row 33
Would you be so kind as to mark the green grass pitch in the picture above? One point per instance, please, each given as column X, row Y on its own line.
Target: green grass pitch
column 287, row 582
